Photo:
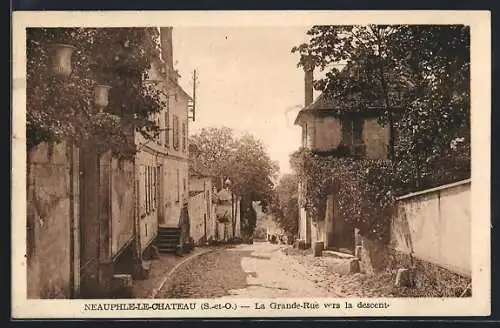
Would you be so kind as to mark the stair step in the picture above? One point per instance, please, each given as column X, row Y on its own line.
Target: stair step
column 176, row 235
column 167, row 244
column 168, row 237
column 167, row 250
column 338, row 255
column 168, row 241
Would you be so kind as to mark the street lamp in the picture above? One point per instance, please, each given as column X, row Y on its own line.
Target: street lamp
column 61, row 59
column 101, row 93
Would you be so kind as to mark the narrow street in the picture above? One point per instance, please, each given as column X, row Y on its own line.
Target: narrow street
column 260, row 270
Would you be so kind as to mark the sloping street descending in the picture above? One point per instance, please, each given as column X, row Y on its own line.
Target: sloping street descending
column 260, row 270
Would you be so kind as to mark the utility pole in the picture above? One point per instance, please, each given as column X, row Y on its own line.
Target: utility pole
column 195, row 81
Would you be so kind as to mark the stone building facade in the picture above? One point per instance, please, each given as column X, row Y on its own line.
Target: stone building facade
column 324, row 131
column 91, row 216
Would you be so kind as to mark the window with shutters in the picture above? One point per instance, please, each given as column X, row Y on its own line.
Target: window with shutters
column 146, row 188
column 167, row 124
column 158, row 125
column 352, row 136
column 184, row 137
column 176, row 132
column 150, row 188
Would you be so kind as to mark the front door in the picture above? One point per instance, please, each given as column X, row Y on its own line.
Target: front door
column 340, row 233
column 89, row 222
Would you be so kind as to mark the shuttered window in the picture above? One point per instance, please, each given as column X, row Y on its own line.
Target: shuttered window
column 176, row 132
column 184, row 137
column 167, row 124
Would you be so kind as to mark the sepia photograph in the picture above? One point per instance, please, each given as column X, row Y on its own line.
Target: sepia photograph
column 275, row 167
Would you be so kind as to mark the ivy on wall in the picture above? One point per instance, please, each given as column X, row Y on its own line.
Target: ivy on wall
column 63, row 109
column 363, row 189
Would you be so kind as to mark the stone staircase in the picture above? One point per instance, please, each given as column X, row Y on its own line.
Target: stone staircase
column 168, row 240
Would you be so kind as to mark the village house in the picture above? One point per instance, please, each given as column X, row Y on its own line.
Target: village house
column 93, row 219
column 419, row 227
column 173, row 219
column 202, row 203
column 328, row 128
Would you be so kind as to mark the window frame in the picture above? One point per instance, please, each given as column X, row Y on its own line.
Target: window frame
column 166, row 119
column 176, row 141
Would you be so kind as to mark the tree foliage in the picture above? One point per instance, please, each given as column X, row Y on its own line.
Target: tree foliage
column 63, row 109
column 419, row 76
column 243, row 160
column 286, row 204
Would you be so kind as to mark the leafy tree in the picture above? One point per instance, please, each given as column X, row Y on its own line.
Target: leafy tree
column 286, row 206
column 244, row 161
column 64, row 109
column 212, row 149
column 252, row 171
column 418, row 76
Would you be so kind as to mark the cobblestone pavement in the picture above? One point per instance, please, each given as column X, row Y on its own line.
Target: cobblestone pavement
column 159, row 268
column 260, row 270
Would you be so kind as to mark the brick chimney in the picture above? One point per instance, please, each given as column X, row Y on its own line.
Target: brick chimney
column 308, row 85
column 166, row 48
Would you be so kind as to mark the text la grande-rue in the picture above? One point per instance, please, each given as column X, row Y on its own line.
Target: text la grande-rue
column 317, row 305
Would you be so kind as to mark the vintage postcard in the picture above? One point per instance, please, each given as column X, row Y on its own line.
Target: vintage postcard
column 251, row 164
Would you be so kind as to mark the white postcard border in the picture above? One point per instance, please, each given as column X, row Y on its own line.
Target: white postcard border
column 477, row 305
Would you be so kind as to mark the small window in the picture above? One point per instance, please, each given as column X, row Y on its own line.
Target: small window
column 167, row 125
column 153, row 190
column 146, row 188
column 184, row 137
column 304, row 135
column 176, row 132
column 357, row 126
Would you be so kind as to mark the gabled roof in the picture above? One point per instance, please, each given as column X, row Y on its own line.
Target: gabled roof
column 350, row 104
column 331, row 106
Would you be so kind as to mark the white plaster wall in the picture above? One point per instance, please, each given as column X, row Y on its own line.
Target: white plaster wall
column 435, row 226
column 327, row 133
column 197, row 213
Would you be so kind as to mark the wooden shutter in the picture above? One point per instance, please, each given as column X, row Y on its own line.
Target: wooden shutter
column 184, row 137
column 167, row 125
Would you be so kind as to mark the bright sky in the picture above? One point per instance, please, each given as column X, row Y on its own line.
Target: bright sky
column 248, row 81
